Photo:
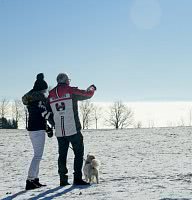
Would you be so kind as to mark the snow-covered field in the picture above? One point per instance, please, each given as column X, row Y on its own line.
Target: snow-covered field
column 136, row 164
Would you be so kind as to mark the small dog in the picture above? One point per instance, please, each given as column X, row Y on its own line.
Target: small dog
column 90, row 169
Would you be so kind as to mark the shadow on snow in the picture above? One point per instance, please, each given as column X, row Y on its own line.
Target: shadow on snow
column 43, row 194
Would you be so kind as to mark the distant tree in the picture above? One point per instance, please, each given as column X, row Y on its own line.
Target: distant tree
column 4, row 105
column 17, row 111
column 120, row 116
column 14, row 124
column 86, row 113
column 151, row 124
column 7, row 123
column 4, row 109
column 97, row 114
column 138, row 124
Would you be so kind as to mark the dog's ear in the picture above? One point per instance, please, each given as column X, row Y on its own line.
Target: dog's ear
column 87, row 155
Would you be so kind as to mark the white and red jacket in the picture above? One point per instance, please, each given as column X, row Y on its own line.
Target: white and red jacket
column 63, row 101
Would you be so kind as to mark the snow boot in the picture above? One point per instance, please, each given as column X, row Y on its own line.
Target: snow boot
column 80, row 182
column 36, row 181
column 30, row 185
column 64, row 180
column 64, row 183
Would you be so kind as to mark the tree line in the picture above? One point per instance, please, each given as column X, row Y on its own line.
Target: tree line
column 11, row 113
column 118, row 115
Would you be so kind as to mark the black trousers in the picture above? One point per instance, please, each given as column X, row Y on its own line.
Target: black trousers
column 78, row 149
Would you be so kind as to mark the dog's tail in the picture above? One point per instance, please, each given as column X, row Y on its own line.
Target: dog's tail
column 95, row 163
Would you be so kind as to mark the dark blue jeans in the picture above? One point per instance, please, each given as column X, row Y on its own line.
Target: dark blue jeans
column 78, row 149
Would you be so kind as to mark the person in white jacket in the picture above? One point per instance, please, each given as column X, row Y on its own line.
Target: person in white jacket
column 63, row 100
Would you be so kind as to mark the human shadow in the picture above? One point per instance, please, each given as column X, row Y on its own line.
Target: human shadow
column 42, row 195
column 65, row 191
column 175, row 199
column 14, row 195
column 37, row 197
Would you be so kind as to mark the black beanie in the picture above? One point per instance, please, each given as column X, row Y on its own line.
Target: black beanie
column 40, row 84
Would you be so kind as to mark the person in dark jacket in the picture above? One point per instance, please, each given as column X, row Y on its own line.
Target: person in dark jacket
column 36, row 103
column 63, row 100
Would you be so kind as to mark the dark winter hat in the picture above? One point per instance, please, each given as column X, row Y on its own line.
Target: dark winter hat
column 62, row 78
column 40, row 84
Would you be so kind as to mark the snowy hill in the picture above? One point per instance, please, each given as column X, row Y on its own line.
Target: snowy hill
column 136, row 164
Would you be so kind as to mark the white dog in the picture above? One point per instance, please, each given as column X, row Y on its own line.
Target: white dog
column 90, row 169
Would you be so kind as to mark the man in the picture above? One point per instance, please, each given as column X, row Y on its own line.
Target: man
column 64, row 104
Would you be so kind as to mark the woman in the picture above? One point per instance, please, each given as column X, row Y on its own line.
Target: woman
column 36, row 102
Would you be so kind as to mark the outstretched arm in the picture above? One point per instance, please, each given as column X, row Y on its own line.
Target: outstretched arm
column 84, row 94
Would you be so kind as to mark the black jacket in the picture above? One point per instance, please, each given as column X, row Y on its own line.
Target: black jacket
column 36, row 104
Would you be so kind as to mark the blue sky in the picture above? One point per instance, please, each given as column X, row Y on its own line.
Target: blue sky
column 132, row 50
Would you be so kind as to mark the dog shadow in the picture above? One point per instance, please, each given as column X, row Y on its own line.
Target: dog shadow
column 42, row 195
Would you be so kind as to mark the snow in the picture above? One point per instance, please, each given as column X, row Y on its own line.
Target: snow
column 136, row 164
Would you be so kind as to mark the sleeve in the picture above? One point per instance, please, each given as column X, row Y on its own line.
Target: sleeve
column 48, row 114
column 50, row 117
column 27, row 99
column 81, row 94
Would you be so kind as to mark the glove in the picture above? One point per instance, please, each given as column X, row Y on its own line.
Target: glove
column 91, row 88
column 49, row 131
column 94, row 87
